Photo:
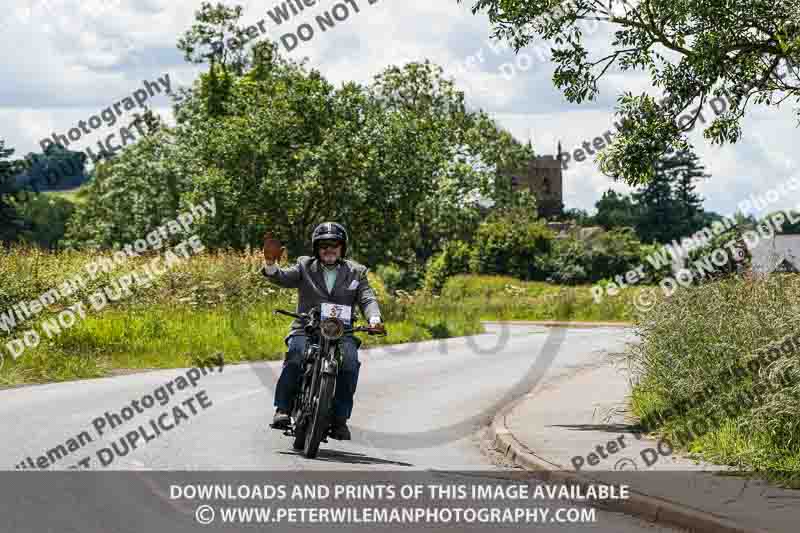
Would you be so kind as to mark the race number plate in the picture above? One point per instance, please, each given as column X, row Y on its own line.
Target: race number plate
column 342, row 312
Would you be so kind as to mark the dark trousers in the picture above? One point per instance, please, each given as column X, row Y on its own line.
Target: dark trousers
column 345, row 382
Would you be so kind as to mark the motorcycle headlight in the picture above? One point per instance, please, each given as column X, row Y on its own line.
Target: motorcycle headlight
column 332, row 328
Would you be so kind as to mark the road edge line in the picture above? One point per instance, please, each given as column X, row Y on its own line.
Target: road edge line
column 651, row 508
column 562, row 324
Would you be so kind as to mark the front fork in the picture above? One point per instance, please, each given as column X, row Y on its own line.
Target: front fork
column 304, row 402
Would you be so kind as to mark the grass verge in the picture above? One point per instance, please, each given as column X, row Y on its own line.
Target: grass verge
column 718, row 373
column 215, row 303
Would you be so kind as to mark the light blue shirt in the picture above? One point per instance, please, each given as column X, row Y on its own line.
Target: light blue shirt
column 330, row 276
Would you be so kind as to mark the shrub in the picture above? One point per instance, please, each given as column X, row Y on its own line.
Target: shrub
column 613, row 253
column 565, row 262
column 48, row 215
column 734, row 264
column 397, row 278
column 573, row 260
column 508, row 246
column 653, row 274
column 453, row 259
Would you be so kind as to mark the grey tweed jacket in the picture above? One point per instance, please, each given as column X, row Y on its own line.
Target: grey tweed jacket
column 351, row 287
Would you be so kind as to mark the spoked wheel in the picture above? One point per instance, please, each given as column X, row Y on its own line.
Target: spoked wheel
column 320, row 416
column 301, row 413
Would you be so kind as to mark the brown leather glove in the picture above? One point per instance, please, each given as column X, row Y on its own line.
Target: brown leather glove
column 273, row 250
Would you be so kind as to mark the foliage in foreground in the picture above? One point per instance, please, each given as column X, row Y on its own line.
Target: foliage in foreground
column 692, row 51
column 689, row 343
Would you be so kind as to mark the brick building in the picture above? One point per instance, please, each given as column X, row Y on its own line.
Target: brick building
column 544, row 178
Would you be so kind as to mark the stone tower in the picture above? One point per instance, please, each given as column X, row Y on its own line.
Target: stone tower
column 543, row 177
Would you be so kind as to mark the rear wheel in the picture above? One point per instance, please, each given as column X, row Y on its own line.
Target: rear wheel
column 318, row 427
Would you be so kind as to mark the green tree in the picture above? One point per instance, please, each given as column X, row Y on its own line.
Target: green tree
column 581, row 217
column 47, row 215
column 453, row 259
column 131, row 194
column 401, row 161
column 573, row 259
column 11, row 223
column 616, row 210
column 24, row 213
column 665, row 208
column 692, row 51
column 685, row 170
column 209, row 38
column 669, row 207
column 466, row 154
column 511, row 241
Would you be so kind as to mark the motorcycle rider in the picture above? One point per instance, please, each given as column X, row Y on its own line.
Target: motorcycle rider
column 325, row 277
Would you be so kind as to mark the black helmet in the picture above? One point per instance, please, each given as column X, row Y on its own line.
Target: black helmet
column 329, row 231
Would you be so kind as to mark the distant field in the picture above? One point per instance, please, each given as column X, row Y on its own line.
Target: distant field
column 72, row 196
column 506, row 298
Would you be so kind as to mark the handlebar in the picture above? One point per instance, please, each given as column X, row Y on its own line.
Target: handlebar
column 371, row 331
column 360, row 329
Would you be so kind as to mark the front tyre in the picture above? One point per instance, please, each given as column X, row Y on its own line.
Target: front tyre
column 318, row 427
column 299, row 439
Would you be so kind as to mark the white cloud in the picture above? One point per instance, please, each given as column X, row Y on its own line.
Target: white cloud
column 69, row 59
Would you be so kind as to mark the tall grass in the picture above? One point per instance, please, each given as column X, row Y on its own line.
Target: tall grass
column 208, row 304
column 218, row 302
column 691, row 340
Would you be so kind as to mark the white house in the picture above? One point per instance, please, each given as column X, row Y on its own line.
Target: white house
column 781, row 254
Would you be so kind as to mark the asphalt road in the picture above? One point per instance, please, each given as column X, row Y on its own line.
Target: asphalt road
column 420, row 406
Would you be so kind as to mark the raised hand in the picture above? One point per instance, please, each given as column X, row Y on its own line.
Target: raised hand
column 272, row 248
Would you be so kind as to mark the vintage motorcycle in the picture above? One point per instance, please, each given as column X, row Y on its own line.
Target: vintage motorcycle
column 312, row 408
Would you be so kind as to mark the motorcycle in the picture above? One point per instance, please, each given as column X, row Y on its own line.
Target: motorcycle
column 312, row 407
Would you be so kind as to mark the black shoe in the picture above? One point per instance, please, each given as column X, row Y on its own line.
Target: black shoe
column 339, row 429
column 281, row 420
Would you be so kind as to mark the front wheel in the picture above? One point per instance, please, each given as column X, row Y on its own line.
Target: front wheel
column 299, row 439
column 320, row 421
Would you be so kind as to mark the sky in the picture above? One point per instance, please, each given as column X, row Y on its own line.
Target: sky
column 66, row 60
